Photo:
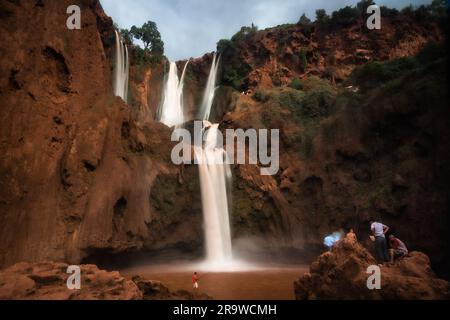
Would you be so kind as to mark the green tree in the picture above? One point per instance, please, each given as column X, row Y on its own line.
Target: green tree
column 244, row 33
column 150, row 36
column 304, row 20
column 127, row 36
column 322, row 16
column 345, row 16
column 223, row 44
column 363, row 5
column 438, row 8
column 388, row 12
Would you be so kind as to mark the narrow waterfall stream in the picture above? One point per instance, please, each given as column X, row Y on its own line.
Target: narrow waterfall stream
column 171, row 111
column 215, row 177
column 121, row 69
column 210, row 90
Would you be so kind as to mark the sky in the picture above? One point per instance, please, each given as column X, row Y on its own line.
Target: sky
column 191, row 28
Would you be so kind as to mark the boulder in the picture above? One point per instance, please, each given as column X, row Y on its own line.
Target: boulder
column 48, row 281
column 342, row 274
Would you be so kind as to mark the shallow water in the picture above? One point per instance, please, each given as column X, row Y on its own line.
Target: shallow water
column 245, row 283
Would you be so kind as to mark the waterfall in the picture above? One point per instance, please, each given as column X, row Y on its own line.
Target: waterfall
column 121, row 69
column 171, row 109
column 215, row 175
column 210, row 89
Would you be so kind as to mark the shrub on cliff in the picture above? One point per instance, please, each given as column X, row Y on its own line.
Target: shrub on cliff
column 374, row 74
column 223, row 45
column 235, row 76
column 344, row 17
column 244, row 33
column 261, row 95
column 303, row 60
column 296, row 84
column 292, row 99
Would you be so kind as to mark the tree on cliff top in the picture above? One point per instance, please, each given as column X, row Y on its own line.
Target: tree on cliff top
column 322, row 16
column 304, row 20
column 150, row 36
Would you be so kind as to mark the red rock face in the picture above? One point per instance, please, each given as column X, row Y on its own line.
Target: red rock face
column 83, row 174
column 75, row 169
column 273, row 56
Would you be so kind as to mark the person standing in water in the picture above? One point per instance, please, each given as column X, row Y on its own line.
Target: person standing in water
column 195, row 280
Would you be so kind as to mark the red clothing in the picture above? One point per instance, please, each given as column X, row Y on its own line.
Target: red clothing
column 194, row 278
column 394, row 243
column 397, row 244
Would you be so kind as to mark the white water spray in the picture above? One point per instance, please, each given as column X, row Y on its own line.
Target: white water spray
column 210, row 90
column 215, row 175
column 171, row 110
column 121, row 69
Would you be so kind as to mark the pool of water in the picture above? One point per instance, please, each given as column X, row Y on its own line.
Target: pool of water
column 235, row 282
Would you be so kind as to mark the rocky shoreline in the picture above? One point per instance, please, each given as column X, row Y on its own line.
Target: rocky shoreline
column 48, row 281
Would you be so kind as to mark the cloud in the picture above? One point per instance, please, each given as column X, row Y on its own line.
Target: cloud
column 191, row 28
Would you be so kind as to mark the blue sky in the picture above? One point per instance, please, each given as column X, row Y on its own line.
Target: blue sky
column 190, row 28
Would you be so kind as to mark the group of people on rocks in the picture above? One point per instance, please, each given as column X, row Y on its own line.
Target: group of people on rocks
column 397, row 248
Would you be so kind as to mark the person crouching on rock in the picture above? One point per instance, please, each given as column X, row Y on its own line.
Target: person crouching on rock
column 351, row 236
column 195, row 280
column 398, row 248
column 379, row 230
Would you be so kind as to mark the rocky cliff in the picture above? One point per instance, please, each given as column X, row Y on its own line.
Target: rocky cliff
column 347, row 155
column 342, row 274
column 85, row 175
column 77, row 169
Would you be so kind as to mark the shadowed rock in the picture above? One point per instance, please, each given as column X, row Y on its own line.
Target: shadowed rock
column 341, row 274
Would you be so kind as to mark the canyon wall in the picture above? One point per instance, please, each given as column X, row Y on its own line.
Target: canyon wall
column 76, row 167
column 84, row 175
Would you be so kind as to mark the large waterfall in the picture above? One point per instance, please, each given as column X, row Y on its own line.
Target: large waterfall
column 215, row 175
column 214, row 170
column 171, row 111
column 121, row 69
column 210, row 90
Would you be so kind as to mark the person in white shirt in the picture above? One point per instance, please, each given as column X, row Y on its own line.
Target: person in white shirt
column 379, row 230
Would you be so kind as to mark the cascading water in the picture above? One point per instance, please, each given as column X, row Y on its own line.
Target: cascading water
column 210, row 90
column 215, row 175
column 171, row 109
column 121, row 69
